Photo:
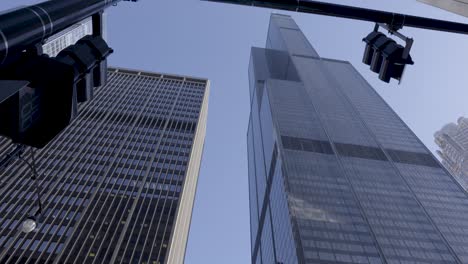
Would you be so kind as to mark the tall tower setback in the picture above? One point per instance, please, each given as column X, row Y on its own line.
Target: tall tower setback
column 118, row 185
column 335, row 176
column 453, row 142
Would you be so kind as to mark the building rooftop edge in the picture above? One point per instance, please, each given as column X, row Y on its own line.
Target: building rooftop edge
column 150, row 73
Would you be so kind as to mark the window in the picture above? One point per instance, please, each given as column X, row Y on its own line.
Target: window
column 357, row 151
column 308, row 145
column 407, row 157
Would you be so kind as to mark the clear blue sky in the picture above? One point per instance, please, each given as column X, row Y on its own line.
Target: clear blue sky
column 212, row 40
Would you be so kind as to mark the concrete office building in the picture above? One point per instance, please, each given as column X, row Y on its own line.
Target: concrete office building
column 118, row 184
column 453, row 142
column 335, row 176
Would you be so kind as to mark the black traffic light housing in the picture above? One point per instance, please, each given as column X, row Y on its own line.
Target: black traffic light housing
column 393, row 62
column 369, row 51
column 88, row 58
column 36, row 113
column 100, row 51
column 377, row 58
column 45, row 104
column 384, row 55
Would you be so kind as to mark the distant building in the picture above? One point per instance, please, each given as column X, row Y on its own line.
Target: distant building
column 453, row 142
column 335, row 175
column 456, row 6
column 118, row 185
column 68, row 37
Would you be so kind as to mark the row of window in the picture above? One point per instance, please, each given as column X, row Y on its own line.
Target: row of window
column 36, row 245
column 358, row 151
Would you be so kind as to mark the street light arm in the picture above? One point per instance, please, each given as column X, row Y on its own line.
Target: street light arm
column 394, row 20
column 27, row 26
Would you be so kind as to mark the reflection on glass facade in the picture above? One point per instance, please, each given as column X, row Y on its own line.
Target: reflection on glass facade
column 453, row 142
column 118, row 184
column 335, row 176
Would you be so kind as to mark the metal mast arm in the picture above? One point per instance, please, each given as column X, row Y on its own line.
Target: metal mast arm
column 27, row 26
column 394, row 20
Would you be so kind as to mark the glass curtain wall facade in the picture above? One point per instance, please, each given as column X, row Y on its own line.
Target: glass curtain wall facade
column 118, row 184
column 335, row 176
column 453, row 142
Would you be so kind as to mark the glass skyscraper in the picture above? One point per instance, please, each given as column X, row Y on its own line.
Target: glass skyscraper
column 335, row 176
column 453, row 142
column 118, row 184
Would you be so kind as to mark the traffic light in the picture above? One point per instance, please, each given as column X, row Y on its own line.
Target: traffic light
column 377, row 58
column 393, row 63
column 88, row 58
column 385, row 56
column 370, row 40
column 37, row 109
column 100, row 51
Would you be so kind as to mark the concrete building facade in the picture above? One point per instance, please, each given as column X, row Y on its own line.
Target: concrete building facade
column 118, row 185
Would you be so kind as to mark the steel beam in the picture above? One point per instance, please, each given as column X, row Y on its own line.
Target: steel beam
column 394, row 20
column 27, row 26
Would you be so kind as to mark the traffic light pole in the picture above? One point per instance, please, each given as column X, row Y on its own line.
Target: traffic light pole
column 394, row 20
column 26, row 27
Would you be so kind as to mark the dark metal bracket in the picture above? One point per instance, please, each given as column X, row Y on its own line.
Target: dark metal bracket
column 393, row 31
